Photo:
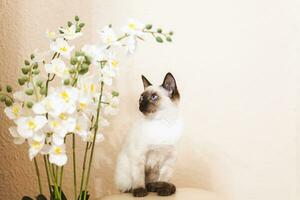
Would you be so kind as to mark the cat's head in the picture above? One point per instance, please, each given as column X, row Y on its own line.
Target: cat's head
column 159, row 98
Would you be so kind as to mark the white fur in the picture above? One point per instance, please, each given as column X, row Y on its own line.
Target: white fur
column 161, row 128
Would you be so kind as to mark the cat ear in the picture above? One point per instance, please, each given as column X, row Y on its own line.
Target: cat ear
column 170, row 85
column 146, row 83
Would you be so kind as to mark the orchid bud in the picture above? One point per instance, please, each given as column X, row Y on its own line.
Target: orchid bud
column 148, row 26
column 115, row 93
column 8, row 88
column 67, row 81
column 36, row 72
column 29, row 92
column 8, row 102
column 73, row 61
column 35, row 65
column 159, row 39
column 39, row 83
column 25, row 70
column 76, row 18
column 27, row 62
column 70, row 24
column 169, row 39
column 2, row 98
column 21, row 81
column 81, row 25
column 29, row 104
column 32, row 56
column 159, row 30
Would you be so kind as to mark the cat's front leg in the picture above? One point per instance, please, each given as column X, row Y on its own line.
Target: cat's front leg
column 138, row 176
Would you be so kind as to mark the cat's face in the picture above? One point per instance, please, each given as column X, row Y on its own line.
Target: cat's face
column 157, row 98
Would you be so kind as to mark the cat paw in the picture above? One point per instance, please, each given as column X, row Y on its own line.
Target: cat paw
column 139, row 192
column 151, row 187
column 167, row 190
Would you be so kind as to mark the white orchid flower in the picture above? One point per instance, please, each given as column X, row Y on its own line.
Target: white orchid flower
column 134, row 28
column 17, row 138
column 69, row 96
column 14, row 112
column 109, row 37
column 131, row 45
column 112, row 107
column 27, row 126
column 51, row 105
column 51, row 35
column 82, row 126
column 70, row 33
column 62, row 125
column 95, row 52
column 61, row 46
column 58, row 155
column 36, row 144
column 58, row 67
column 90, row 137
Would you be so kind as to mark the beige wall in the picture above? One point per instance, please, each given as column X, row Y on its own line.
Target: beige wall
column 235, row 62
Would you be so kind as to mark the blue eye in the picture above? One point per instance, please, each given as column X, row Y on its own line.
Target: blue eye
column 153, row 97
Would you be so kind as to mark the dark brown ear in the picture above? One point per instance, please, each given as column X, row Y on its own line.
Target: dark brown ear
column 170, row 85
column 146, row 83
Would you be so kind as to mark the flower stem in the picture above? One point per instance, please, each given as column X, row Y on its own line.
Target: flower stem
column 61, row 178
column 94, row 140
column 83, row 169
column 38, row 175
column 47, row 172
column 74, row 166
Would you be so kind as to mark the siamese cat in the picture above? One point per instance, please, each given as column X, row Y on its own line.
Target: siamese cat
column 145, row 163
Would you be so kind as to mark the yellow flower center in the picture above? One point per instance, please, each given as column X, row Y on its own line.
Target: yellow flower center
column 92, row 87
column 78, row 127
column 63, row 49
column 65, row 96
column 63, row 116
column 132, row 26
column 36, row 144
column 82, row 105
column 31, row 124
column 54, row 123
column 114, row 63
column 57, row 150
column 15, row 110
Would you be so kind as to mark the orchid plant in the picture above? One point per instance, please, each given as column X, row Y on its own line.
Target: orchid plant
column 46, row 114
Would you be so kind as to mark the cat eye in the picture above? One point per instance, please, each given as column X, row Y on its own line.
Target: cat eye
column 153, row 97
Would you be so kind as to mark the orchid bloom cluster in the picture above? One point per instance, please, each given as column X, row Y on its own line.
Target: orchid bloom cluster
column 81, row 100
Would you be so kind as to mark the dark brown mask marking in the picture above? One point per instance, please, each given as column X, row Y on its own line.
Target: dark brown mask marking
column 149, row 102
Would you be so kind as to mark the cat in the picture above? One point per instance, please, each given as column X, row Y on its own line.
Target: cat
column 145, row 163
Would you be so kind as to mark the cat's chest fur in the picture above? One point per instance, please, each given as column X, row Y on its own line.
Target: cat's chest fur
column 156, row 132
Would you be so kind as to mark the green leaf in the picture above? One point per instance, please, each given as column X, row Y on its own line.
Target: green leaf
column 27, row 198
column 9, row 89
column 41, row 197
column 159, row 39
column 148, row 26
column 82, row 195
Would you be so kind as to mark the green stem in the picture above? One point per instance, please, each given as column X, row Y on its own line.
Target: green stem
column 61, row 178
column 83, row 169
column 38, row 175
column 74, row 166
column 94, row 139
column 47, row 172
